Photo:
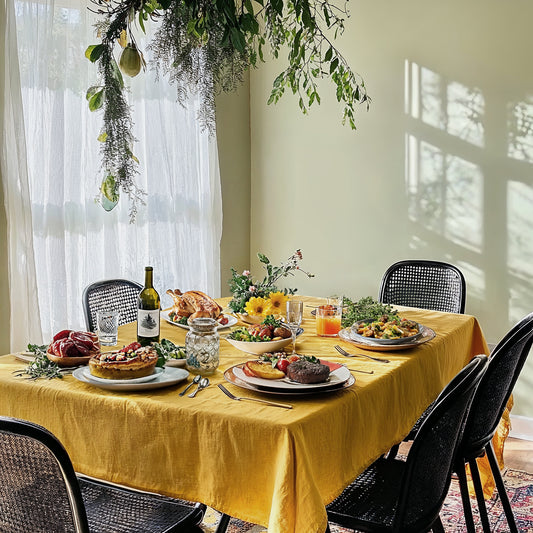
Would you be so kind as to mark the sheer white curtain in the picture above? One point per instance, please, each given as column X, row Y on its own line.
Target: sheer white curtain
column 74, row 241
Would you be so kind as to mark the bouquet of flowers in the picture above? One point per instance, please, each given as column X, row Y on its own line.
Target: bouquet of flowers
column 263, row 298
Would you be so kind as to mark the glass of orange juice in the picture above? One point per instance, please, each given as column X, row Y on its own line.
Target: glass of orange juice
column 328, row 318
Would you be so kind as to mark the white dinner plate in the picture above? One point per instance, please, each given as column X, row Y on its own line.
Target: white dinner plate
column 295, row 390
column 231, row 321
column 176, row 362
column 143, row 379
column 27, row 357
column 336, row 379
column 165, row 378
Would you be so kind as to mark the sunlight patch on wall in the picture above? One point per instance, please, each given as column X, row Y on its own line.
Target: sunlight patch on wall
column 446, row 105
column 519, row 224
column 445, row 193
column 520, row 131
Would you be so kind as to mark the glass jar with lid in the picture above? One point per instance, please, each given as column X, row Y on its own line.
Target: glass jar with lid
column 202, row 344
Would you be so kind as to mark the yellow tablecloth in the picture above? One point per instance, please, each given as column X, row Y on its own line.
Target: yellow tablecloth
column 262, row 464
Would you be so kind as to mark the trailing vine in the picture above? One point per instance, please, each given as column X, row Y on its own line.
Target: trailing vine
column 205, row 47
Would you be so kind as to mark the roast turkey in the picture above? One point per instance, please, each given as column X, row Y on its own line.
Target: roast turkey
column 194, row 304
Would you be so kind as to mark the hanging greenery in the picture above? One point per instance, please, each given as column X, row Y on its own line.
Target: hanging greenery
column 205, row 47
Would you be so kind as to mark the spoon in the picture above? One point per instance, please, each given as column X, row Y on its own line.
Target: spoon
column 204, row 382
column 193, row 382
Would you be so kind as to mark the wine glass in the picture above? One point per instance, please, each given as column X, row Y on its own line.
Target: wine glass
column 295, row 311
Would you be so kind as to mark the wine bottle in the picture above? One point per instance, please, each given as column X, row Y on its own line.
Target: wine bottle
column 148, row 304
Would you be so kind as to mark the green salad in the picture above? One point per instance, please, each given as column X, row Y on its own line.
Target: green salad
column 168, row 350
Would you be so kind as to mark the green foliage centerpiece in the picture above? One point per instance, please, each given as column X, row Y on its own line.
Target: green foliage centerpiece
column 263, row 298
column 205, row 46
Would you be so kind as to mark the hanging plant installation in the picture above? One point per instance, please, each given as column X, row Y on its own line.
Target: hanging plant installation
column 205, row 47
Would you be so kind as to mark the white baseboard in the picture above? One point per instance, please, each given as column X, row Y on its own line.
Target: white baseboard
column 521, row 427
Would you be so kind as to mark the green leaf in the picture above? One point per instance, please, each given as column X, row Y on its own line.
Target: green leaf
column 249, row 7
column 116, row 73
column 334, row 64
column 96, row 101
column 263, row 258
column 329, row 54
column 102, row 137
column 141, row 22
column 307, row 19
column 91, row 91
column 94, row 52
column 237, row 39
column 165, row 4
column 277, row 6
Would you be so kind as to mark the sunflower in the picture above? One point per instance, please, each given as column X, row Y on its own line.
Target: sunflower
column 257, row 307
column 278, row 301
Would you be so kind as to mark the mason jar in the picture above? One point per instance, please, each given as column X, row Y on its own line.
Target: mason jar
column 201, row 345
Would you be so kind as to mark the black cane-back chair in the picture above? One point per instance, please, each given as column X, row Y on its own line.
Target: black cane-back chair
column 111, row 295
column 394, row 496
column 490, row 400
column 425, row 284
column 40, row 492
column 505, row 364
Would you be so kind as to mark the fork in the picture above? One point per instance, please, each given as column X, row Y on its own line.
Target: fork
column 233, row 397
column 346, row 354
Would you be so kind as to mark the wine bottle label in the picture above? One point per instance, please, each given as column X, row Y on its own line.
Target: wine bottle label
column 148, row 322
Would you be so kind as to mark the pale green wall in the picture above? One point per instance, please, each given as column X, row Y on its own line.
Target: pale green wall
column 4, row 284
column 233, row 138
column 341, row 196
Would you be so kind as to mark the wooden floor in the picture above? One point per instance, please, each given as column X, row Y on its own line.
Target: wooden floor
column 518, row 454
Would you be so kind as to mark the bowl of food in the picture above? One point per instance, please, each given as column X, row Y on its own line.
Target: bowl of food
column 386, row 330
column 272, row 335
column 72, row 348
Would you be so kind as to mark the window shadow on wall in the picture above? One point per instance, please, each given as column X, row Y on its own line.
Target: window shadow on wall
column 468, row 173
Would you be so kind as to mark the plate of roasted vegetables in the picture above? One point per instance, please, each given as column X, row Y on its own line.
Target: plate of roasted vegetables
column 386, row 330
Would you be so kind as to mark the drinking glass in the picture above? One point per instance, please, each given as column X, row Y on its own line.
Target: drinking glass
column 107, row 327
column 295, row 311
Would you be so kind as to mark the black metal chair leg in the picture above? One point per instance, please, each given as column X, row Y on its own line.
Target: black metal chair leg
column 479, row 496
column 501, row 489
column 223, row 523
column 393, row 452
column 465, row 496
column 437, row 526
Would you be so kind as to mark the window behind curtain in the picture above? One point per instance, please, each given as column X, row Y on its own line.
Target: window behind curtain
column 75, row 241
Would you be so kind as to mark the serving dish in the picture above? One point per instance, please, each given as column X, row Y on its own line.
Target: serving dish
column 142, row 379
column 234, row 375
column 165, row 378
column 367, row 343
column 176, row 363
column 231, row 321
column 385, row 342
column 249, row 319
column 259, row 347
column 27, row 357
column 68, row 361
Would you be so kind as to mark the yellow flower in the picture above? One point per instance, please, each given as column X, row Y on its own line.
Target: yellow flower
column 257, row 307
column 278, row 300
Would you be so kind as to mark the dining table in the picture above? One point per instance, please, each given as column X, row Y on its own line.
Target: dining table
column 262, row 464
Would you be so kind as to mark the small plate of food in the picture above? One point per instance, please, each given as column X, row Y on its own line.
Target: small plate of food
column 272, row 335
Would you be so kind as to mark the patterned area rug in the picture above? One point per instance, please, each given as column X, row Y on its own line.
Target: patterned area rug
column 519, row 487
